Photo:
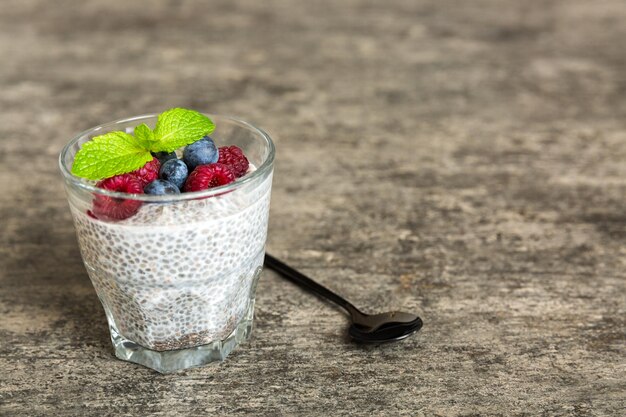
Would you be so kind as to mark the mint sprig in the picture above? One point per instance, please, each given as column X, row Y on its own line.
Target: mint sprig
column 116, row 153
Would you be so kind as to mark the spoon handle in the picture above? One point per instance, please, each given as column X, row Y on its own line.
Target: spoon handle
column 306, row 282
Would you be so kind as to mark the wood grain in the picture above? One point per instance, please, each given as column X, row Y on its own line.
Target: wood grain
column 464, row 160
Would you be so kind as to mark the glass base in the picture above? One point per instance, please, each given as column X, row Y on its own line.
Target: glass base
column 173, row 360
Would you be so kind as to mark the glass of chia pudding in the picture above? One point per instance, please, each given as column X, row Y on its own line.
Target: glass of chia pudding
column 175, row 272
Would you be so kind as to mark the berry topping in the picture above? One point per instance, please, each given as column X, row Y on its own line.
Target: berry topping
column 110, row 208
column 201, row 152
column 149, row 172
column 233, row 157
column 161, row 187
column 209, row 176
column 174, row 171
column 164, row 156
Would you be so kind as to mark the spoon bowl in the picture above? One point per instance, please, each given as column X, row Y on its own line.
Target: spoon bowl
column 390, row 332
column 372, row 322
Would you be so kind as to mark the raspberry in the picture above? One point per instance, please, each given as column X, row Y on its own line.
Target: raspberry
column 125, row 183
column 149, row 172
column 110, row 208
column 233, row 157
column 209, row 176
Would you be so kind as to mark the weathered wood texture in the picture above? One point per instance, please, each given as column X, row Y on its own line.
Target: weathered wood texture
column 465, row 160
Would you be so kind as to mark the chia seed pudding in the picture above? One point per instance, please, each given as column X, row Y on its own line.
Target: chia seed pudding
column 178, row 275
column 174, row 263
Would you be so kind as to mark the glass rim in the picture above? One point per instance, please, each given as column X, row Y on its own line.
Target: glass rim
column 85, row 184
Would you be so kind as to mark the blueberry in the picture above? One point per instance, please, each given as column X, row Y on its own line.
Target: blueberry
column 174, row 171
column 164, row 156
column 201, row 152
column 161, row 187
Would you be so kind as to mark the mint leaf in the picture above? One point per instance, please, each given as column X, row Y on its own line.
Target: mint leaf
column 110, row 154
column 179, row 127
column 144, row 135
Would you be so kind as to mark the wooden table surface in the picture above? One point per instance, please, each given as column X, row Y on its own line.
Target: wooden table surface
column 463, row 160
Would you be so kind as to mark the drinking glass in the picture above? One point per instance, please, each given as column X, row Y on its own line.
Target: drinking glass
column 177, row 279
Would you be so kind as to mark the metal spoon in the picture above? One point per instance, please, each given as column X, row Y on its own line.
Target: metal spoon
column 365, row 328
